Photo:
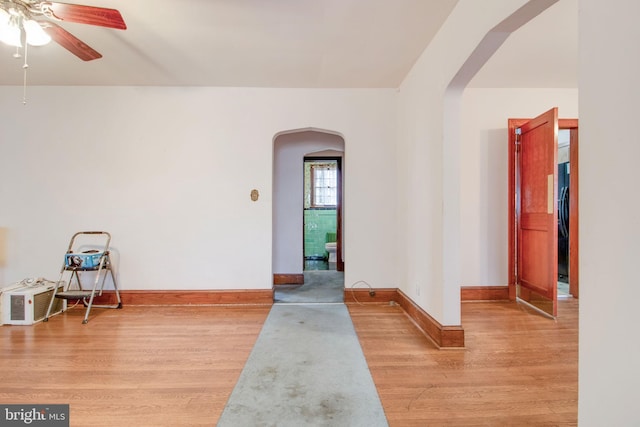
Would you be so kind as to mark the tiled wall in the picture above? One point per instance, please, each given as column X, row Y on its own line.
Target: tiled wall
column 317, row 223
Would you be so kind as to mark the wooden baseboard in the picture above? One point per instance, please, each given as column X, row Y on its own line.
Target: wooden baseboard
column 484, row 293
column 442, row 336
column 195, row 297
column 288, row 279
column 362, row 296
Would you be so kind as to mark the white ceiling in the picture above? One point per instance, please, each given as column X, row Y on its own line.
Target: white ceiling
column 543, row 53
column 288, row 43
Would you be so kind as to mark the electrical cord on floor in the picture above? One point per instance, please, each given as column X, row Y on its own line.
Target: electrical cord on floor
column 372, row 293
column 74, row 305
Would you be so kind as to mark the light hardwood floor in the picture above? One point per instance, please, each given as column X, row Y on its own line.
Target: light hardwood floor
column 177, row 365
column 518, row 367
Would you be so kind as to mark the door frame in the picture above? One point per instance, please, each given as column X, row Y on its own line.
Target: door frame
column 339, row 237
column 572, row 126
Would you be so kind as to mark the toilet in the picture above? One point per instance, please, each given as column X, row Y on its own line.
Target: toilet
column 331, row 247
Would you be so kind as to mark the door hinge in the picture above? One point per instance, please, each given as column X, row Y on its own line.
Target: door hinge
column 518, row 134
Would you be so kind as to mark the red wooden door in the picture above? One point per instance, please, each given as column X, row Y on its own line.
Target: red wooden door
column 537, row 231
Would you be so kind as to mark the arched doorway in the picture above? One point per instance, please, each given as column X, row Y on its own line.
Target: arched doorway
column 290, row 150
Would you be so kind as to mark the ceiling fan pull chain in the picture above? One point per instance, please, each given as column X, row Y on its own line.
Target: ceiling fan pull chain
column 24, row 84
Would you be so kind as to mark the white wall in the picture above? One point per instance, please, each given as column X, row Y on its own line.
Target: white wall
column 169, row 171
column 484, row 173
column 429, row 143
column 609, row 372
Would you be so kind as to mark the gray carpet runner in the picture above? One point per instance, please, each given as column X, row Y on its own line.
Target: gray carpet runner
column 306, row 369
column 319, row 286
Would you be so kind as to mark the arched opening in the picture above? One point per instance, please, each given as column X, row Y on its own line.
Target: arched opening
column 290, row 149
column 452, row 153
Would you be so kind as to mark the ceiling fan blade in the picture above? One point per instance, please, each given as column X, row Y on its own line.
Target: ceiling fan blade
column 70, row 42
column 91, row 15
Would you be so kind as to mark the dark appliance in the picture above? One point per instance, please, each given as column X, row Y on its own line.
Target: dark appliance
column 563, row 222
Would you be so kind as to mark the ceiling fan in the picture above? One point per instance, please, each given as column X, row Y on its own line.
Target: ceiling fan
column 39, row 19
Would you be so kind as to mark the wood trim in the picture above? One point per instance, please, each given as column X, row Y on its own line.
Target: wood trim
column 484, row 293
column 362, row 296
column 442, row 336
column 288, row 279
column 574, row 194
column 513, row 124
column 568, row 124
column 339, row 234
column 194, row 297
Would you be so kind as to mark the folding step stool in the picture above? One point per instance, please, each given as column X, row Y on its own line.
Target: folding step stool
column 77, row 261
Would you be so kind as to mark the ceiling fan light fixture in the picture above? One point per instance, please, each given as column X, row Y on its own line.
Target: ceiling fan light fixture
column 4, row 18
column 36, row 36
column 9, row 29
column 16, row 16
column 11, row 35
